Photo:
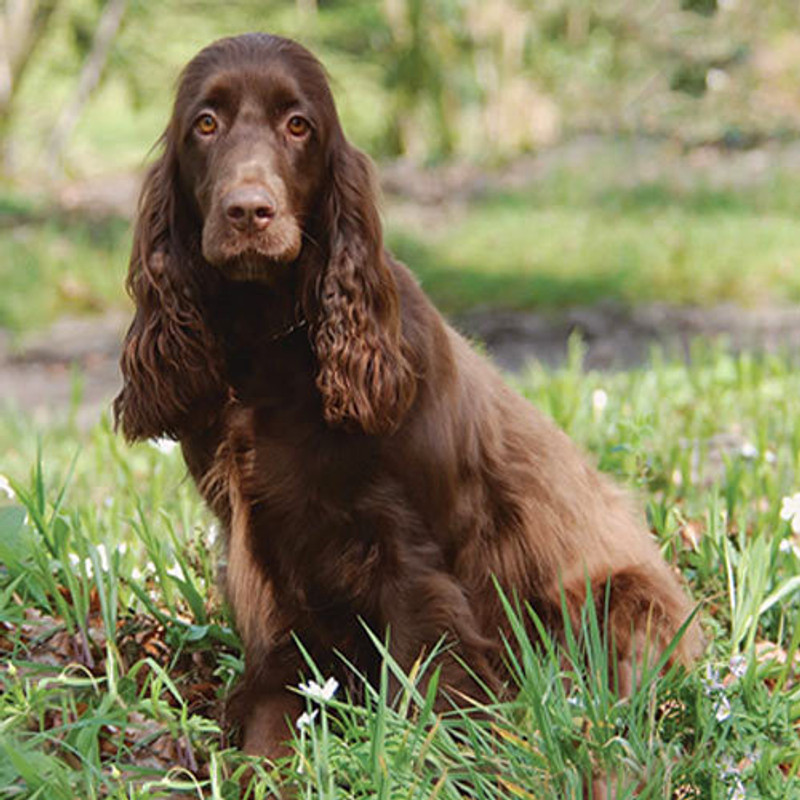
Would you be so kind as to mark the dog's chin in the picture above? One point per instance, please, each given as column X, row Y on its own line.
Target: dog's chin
column 253, row 265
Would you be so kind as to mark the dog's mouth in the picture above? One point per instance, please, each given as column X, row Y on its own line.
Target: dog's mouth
column 252, row 258
column 252, row 264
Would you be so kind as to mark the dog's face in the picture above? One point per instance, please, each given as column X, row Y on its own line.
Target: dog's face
column 253, row 138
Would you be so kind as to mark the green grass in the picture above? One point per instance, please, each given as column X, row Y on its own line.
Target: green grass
column 51, row 264
column 118, row 649
column 584, row 233
column 580, row 233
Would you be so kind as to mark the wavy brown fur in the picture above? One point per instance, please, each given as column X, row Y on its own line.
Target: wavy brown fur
column 366, row 464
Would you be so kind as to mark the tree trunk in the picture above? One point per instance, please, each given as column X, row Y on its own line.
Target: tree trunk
column 22, row 26
column 104, row 35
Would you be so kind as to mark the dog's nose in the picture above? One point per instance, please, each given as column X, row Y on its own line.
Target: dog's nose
column 249, row 208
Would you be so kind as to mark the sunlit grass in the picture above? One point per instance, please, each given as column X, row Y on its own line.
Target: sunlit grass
column 573, row 239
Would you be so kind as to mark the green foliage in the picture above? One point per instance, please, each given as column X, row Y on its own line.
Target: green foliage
column 119, row 649
column 436, row 78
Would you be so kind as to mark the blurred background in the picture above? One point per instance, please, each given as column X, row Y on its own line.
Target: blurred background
column 626, row 168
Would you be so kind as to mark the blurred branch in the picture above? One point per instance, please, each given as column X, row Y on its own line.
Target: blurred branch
column 22, row 25
column 107, row 28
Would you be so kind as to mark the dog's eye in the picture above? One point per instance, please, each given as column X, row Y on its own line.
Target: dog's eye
column 298, row 126
column 206, row 124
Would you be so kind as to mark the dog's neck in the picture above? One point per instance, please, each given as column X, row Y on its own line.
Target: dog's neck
column 265, row 340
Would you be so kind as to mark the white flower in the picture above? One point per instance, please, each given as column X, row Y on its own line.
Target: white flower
column 176, row 571
column 103, row 553
column 788, row 546
column 722, row 710
column 770, row 457
column 314, row 690
column 739, row 792
column 712, row 681
column 717, row 79
column 737, row 666
column 599, row 401
column 5, row 488
column 749, row 450
column 306, row 719
column 136, row 574
column 74, row 559
column 731, row 774
column 790, row 511
column 165, row 446
column 213, row 534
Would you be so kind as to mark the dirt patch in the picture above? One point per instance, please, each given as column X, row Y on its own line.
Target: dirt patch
column 620, row 338
column 71, row 369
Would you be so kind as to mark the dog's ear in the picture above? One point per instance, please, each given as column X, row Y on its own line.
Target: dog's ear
column 169, row 363
column 364, row 374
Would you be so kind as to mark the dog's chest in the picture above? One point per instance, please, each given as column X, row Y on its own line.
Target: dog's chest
column 310, row 506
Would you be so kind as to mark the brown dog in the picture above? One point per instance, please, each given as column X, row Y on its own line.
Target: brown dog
column 366, row 464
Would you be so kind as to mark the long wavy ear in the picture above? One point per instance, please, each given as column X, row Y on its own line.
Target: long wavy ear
column 169, row 362
column 364, row 376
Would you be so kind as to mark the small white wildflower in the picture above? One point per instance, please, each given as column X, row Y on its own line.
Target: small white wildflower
column 165, row 446
column 150, row 567
column 314, row 690
column 122, row 548
column 770, row 457
column 722, row 710
column 176, row 571
column 213, row 534
column 737, row 666
column 136, row 574
column 717, row 79
column 103, row 553
column 74, row 559
column 739, row 792
column 88, row 568
column 599, row 401
column 5, row 488
column 788, row 546
column 306, row 719
column 712, row 681
column 749, row 450
column 790, row 511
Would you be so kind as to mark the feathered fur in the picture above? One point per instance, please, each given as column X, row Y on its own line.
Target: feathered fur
column 367, row 465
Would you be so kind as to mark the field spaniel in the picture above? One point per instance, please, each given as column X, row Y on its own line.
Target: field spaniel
column 368, row 467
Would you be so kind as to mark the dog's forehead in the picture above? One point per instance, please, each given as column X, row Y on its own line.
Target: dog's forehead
column 271, row 85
